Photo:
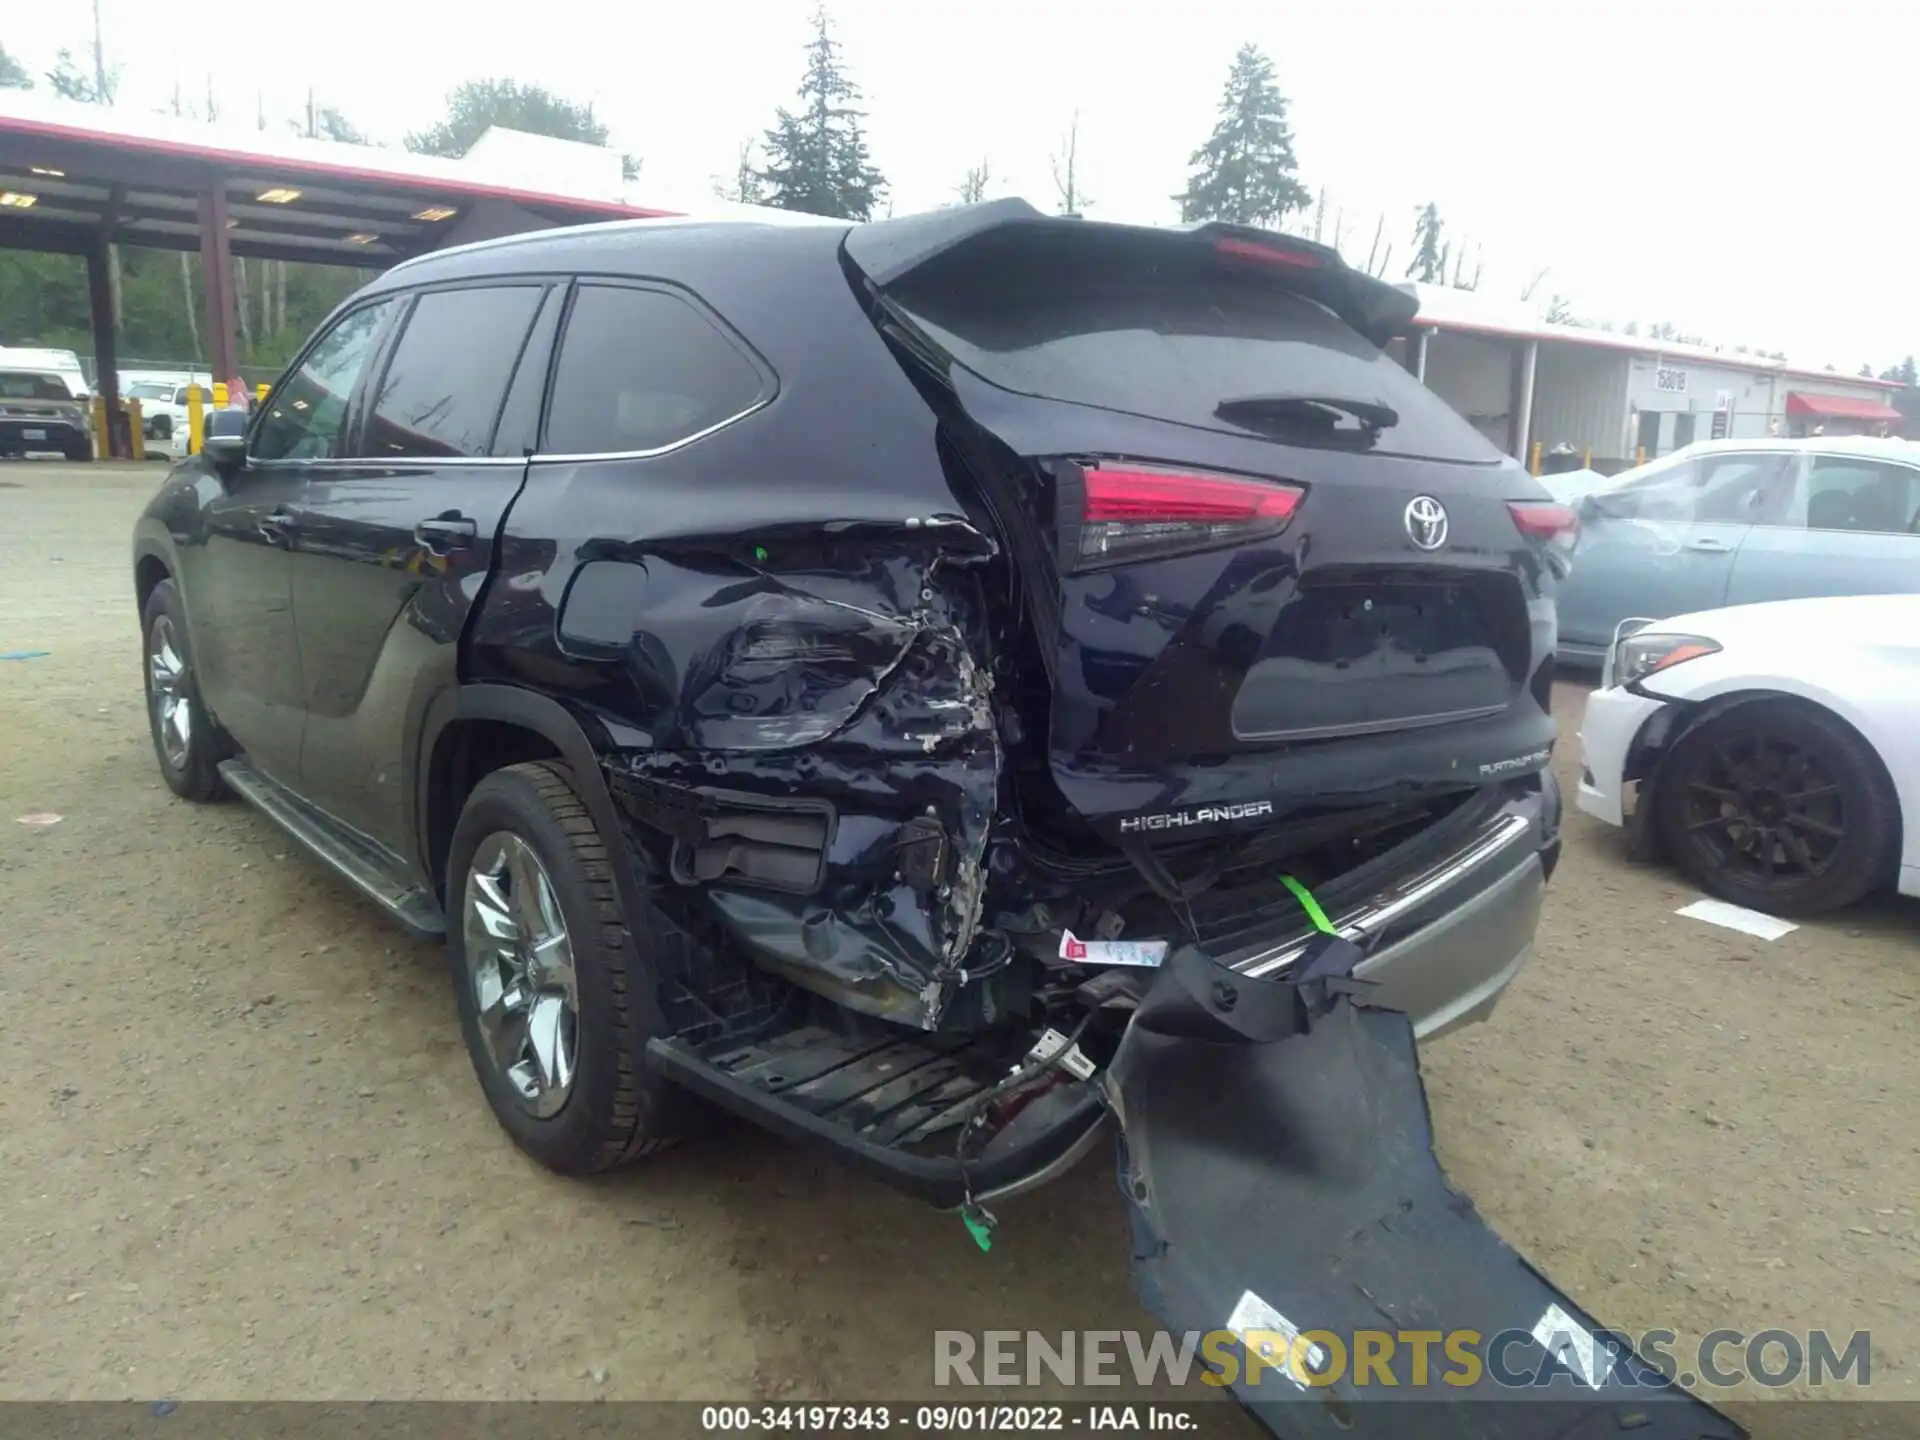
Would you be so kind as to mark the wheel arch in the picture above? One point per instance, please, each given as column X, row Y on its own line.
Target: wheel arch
column 151, row 564
column 467, row 728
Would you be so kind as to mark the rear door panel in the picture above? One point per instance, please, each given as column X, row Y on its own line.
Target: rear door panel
column 1866, row 543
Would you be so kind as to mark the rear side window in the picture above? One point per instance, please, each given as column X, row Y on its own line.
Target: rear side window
column 1114, row 327
column 442, row 389
column 309, row 409
column 1848, row 493
column 643, row 370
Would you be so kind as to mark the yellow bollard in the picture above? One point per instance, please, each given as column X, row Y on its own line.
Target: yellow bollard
column 260, row 392
column 136, row 429
column 1533, row 460
column 219, row 394
column 97, row 422
column 196, row 420
column 1640, row 455
column 1586, row 460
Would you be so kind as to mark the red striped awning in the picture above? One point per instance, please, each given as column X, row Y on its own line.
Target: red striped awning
column 1839, row 407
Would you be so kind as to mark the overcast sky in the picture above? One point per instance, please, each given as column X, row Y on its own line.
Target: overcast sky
column 1742, row 170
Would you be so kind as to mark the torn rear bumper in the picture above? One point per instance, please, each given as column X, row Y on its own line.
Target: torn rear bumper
column 1282, row 1186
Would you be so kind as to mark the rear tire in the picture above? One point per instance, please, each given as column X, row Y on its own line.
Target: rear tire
column 1780, row 807
column 559, row 1055
column 186, row 741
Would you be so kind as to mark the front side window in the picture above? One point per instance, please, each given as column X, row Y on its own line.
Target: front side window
column 642, row 370
column 441, row 392
column 1735, row 488
column 307, row 417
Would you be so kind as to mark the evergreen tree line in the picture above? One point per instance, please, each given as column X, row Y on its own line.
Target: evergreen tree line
column 814, row 158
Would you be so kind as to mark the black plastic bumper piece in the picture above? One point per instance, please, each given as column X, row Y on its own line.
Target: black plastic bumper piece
column 866, row 1101
column 1282, row 1184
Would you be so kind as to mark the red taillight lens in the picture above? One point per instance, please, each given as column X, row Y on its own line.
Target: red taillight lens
column 1554, row 525
column 1272, row 254
column 1131, row 513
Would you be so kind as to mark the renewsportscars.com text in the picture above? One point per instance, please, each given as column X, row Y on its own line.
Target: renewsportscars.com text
column 1409, row 1359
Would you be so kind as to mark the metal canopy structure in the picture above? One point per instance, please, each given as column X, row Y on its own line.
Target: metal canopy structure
column 75, row 179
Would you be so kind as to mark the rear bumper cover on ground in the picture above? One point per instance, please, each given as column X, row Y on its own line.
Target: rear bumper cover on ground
column 1285, row 1190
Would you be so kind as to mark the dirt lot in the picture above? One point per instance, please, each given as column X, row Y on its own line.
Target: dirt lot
column 243, row 1154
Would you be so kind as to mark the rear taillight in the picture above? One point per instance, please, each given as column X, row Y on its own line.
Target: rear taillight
column 1136, row 512
column 1278, row 253
column 1555, row 526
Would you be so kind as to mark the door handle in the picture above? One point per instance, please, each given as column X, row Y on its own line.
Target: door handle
column 276, row 527
column 444, row 533
column 1708, row 546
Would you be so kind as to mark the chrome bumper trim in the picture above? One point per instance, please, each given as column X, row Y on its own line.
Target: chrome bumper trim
column 1382, row 909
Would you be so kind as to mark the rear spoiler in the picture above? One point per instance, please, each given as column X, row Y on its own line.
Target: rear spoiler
column 887, row 252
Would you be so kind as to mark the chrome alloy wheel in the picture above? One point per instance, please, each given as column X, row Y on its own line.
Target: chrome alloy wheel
column 520, row 965
column 167, row 693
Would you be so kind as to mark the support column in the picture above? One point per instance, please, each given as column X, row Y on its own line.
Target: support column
column 216, row 266
column 106, row 350
column 1522, row 427
column 1420, row 355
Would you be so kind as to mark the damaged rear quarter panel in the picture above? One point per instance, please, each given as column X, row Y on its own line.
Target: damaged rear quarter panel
column 785, row 608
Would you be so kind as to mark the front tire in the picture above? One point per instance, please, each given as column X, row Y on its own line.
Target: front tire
column 553, row 986
column 186, row 742
column 1778, row 806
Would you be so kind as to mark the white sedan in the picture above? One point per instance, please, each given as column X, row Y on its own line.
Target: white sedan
column 1771, row 752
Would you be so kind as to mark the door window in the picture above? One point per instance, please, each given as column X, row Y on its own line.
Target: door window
column 643, row 370
column 1737, row 488
column 308, row 413
column 441, row 392
column 1845, row 492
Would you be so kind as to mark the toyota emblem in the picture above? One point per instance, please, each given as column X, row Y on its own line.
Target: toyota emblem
column 1426, row 522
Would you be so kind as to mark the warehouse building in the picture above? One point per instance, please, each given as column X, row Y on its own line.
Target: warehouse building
column 1618, row 398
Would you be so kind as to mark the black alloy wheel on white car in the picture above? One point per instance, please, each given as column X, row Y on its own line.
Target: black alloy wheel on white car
column 1779, row 806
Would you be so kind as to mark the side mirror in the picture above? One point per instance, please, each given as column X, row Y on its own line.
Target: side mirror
column 226, row 453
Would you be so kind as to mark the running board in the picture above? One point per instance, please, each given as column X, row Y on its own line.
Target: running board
column 865, row 1100
column 363, row 865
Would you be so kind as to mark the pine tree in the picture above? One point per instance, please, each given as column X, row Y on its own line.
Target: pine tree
column 1428, row 265
column 1244, row 174
column 817, row 158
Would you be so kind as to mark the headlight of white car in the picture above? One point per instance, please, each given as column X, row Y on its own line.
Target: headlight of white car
column 1647, row 653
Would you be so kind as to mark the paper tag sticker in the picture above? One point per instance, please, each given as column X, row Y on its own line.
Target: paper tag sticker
column 1050, row 1044
column 1572, row 1344
column 1264, row 1330
column 1144, row 953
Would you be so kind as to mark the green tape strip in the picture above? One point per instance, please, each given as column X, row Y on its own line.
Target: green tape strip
column 979, row 1225
column 1310, row 905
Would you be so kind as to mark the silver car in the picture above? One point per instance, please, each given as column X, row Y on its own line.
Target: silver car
column 1732, row 522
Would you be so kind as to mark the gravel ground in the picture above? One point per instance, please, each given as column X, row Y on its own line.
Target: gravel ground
column 244, row 1156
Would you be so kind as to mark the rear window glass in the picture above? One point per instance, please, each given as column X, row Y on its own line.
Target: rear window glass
column 1129, row 332
column 14, row 385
